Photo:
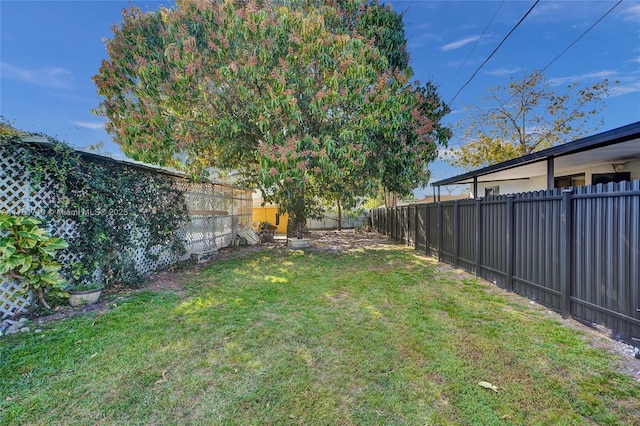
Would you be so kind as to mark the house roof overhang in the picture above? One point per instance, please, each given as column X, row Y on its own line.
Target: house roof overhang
column 617, row 145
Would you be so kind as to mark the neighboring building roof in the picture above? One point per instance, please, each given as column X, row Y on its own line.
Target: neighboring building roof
column 614, row 145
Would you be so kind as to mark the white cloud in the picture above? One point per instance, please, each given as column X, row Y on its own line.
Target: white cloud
column 578, row 78
column 624, row 88
column 459, row 43
column 546, row 8
column 632, row 13
column 421, row 40
column 504, row 71
column 57, row 78
column 624, row 83
column 89, row 125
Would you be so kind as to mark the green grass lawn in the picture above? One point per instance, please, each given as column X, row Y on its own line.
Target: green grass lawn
column 374, row 336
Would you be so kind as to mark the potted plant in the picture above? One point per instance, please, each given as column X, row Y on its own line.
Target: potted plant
column 267, row 231
column 82, row 289
column 27, row 254
column 84, row 293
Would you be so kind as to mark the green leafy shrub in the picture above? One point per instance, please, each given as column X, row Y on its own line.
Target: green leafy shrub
column 27, row 254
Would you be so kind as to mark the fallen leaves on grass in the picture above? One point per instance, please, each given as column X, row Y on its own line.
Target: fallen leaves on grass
column 488, row 385
column 164, row 378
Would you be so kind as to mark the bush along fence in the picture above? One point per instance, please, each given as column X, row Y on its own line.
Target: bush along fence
column 576, row 251
column 122, row 220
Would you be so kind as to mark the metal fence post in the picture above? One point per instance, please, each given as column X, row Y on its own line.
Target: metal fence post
column 427, row 232
column 456, row 233
column 408, row 226
column 392, row 223
column 388, row 222
column 406, row 229
column 509, row 243
column 478, row 235
column 566, row 252
column 415, row 226
column 440, row 232
column 396, row 229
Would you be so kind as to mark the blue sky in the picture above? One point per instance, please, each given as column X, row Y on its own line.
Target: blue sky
column 50, row 50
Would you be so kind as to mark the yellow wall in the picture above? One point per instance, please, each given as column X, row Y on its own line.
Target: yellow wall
column 268, row 214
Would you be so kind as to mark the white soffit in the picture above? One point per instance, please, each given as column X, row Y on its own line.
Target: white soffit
column 621, row 152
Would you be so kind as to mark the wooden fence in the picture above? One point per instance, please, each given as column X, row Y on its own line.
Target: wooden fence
column 576, row 251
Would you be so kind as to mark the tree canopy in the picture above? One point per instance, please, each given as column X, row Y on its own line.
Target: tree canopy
column 291, row 94
column 527, row 116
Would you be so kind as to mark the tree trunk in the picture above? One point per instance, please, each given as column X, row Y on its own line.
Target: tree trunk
column 391, row 199
column 296, row 225
column 339, row 216
column 297, row 219
column 40, row 296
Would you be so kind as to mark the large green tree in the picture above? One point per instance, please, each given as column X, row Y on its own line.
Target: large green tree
column 527, row 116
column 288, row 93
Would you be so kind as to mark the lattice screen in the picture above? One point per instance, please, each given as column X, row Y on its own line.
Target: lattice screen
column 204, row 232
column 16, row 198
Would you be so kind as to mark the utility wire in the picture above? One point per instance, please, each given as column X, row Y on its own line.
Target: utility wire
column 569, row 47
column 494, row 51
column 557, row 56
column 475, row 45
column 537, row 73
column 581, row 35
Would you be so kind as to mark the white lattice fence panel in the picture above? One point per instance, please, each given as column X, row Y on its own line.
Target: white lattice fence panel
column 159, row 256
column 18, row 197
column 14, row 188
column 202, row 233
column 65, row 228
column 13, row 298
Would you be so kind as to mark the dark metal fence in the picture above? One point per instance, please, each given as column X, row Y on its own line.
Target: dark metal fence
column 576, row 251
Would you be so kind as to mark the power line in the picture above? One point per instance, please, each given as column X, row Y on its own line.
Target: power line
column 581, row 35
column 571, row 45
column 494, row 51
column 475, row 45
column 537, row 73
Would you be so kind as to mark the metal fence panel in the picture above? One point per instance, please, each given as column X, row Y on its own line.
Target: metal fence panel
column 536, row 251
column 576, row 251
column 493, row 261
column 411, row 225
column 447, row 251
column 433, row 229
column 466, row 238
column 404, row 225
column 421, row 227
column 607, row 253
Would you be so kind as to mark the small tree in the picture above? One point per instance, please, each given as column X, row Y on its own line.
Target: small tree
column 27, row 254
column 527, row 116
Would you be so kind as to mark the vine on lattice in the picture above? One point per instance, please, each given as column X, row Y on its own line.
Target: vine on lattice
column 116, row 213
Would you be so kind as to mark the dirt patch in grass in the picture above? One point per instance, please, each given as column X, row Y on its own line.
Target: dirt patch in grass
column 337, row 241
